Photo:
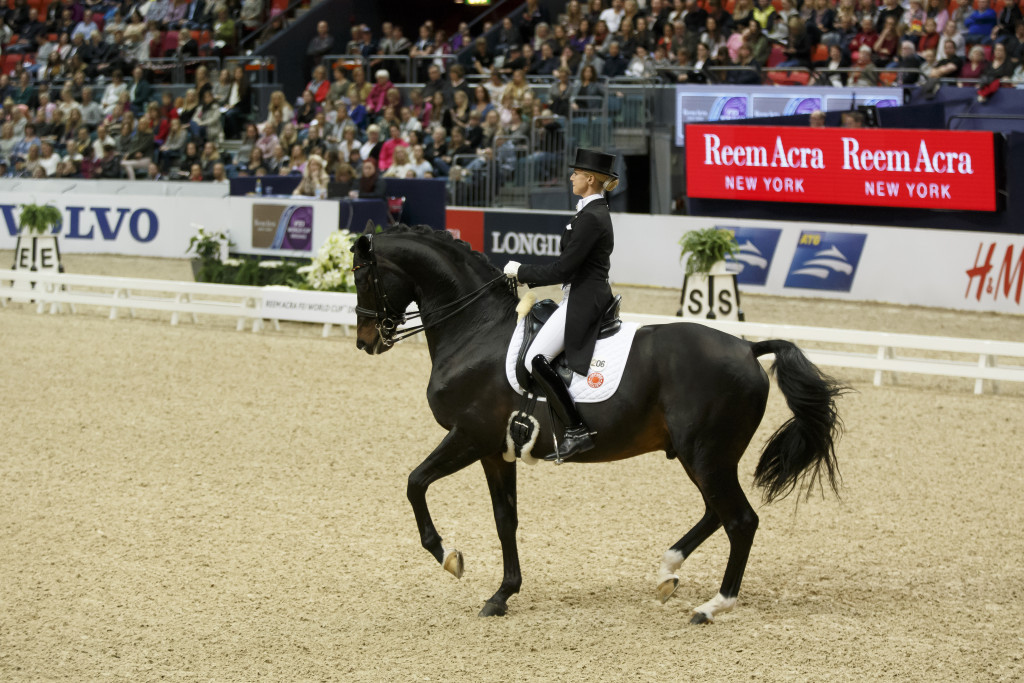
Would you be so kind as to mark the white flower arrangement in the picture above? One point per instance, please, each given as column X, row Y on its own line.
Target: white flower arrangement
column 209, row 244
column 331, row 269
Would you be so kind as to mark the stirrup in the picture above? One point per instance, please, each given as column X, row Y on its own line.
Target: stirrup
column 575, row 441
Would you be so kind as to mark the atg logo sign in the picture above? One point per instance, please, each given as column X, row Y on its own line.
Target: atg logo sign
column 826, row 260
column 757, row 248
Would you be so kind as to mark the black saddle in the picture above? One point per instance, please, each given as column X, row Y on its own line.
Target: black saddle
column 535, row 319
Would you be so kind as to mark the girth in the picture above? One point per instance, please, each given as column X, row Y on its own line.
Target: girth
column 536, row 318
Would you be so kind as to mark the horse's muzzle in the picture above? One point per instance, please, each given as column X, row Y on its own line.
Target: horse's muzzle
column 375, row 347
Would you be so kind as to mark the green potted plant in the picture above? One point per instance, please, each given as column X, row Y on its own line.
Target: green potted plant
column 210, row 249
column 705, row 251
column 709, row 289
column 39, row 219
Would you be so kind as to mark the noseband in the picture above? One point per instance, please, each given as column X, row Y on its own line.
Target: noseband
column 387, row 319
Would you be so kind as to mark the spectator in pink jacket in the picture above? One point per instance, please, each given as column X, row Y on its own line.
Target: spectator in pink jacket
column 379, row 92
column 387, row 150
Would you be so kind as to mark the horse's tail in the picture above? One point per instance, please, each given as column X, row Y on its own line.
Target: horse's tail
column 803, row 447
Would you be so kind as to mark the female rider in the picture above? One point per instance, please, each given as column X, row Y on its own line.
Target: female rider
column 582, row 270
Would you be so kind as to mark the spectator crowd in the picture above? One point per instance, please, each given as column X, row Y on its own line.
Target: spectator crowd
column 78, row 98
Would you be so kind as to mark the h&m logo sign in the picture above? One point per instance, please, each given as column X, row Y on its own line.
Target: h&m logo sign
column 94, row 222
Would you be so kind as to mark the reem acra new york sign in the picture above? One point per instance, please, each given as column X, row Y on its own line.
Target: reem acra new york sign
column 931, row 169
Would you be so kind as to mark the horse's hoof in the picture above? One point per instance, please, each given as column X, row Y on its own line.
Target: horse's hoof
column 452, row 563
column 666, row 588
column 700, row 618
column 493, row 609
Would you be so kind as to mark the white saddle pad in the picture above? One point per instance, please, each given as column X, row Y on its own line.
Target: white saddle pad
column 606, row 367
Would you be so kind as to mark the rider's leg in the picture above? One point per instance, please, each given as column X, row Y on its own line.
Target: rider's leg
column 550, row 342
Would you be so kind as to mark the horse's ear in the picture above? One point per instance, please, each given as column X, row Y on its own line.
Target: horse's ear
column 361, row 247
column 370, row 228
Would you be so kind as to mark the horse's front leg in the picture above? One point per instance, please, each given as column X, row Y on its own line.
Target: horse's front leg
column 501, row 480
column 451, row 455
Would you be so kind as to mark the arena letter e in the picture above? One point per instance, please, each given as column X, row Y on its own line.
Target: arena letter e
column 932, row 169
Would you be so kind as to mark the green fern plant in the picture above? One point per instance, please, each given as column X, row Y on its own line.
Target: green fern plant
column 704, row 248
column 39, row 219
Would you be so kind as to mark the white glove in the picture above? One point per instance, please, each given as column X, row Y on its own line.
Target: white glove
column 512, row 269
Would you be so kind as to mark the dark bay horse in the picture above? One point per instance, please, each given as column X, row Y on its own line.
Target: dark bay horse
column 696, row 393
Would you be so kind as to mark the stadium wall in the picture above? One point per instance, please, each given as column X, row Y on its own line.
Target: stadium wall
column 965, row 270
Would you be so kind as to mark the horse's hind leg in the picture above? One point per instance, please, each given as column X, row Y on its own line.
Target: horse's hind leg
column 451, row 455
column 723, row 494
column 672, row 560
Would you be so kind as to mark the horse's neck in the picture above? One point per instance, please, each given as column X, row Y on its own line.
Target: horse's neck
column 438, row 282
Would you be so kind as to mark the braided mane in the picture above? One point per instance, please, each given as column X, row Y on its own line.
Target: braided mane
column 477, row 260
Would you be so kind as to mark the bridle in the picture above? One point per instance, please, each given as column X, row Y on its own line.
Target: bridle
column 388, row 319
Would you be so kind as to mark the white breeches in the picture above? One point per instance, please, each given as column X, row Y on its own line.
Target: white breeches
column 550, row 341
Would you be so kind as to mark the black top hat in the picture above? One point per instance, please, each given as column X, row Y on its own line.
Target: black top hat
column 594, row 161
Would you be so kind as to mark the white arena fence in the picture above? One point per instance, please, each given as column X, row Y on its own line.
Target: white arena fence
column 54, row 291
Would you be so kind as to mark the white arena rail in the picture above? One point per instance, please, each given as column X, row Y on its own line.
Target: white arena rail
column 53, row 290
column 884, row 358
column 121, row 293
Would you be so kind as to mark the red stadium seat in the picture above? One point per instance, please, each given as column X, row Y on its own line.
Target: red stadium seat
column 887, row 78
column 776, row 56
column 279, row 5
column 799, row 78
column 820, row 53
column 98, row 18
column 170, row 43
column 11, row 61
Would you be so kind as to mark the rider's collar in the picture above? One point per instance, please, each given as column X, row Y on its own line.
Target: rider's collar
column 586, row 200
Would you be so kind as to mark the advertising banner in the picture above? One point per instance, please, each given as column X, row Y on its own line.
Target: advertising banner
column 930, row 169
column 700, row 103
column 336, row 308
column 146, row 225
column 949, row 269
column 533, row 237
column 137, row 225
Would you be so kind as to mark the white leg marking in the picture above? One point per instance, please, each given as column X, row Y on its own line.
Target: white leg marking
column 717, row 604
column 671, row 561
column 668, row 580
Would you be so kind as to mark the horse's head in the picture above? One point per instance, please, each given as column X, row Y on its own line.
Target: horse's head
column 382, row 296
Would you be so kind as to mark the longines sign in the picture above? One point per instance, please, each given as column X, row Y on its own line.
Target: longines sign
column 862, row 167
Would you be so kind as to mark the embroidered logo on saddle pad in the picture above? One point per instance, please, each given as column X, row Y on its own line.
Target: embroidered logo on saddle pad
column 606, row 367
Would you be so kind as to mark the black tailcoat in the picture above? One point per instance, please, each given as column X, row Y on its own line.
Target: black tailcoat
column 587, row 244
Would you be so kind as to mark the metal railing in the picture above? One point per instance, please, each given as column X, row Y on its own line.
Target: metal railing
column 589, row 123
column 260, row 68
column 506, row 174
column 177, row 69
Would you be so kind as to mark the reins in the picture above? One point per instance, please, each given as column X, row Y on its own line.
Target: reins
column 388, row 319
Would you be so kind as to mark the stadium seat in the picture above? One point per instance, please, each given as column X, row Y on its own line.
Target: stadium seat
column 820, row 53
column 170, row 43
column 11, row 61
column 776, row 56
column 887, row 78
column 99, row 19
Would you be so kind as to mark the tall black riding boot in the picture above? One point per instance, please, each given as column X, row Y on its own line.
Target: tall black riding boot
column 577, row 438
